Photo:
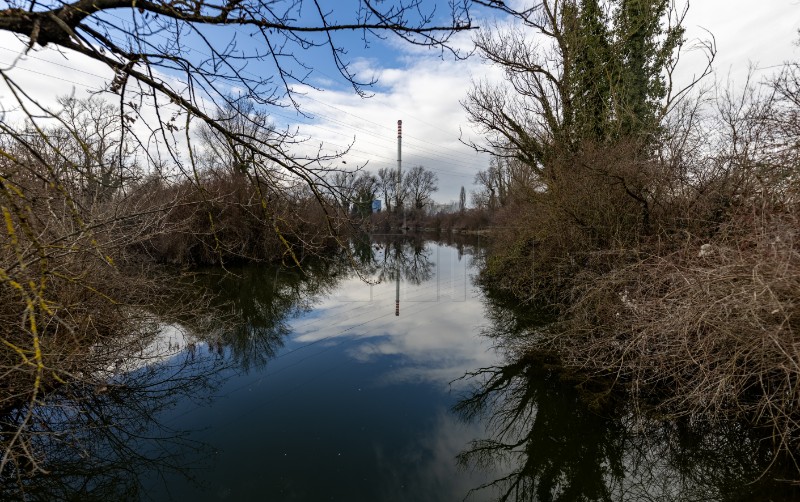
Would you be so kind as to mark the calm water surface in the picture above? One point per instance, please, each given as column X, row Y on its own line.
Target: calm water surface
column 354, row 401
column 332, row 385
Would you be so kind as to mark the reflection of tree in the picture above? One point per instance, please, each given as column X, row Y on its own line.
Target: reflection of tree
column 253, row 304
column 384, row 257
column 95, row 438
column 93, row 442
column 559, row 449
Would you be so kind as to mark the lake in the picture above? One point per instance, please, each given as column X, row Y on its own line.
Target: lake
column 387, row 376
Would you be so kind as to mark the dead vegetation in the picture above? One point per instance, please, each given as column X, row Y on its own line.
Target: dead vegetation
column 707, row 331
column 675, row 264
column 84, row 236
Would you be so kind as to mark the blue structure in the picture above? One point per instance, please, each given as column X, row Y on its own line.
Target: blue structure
column 376, row 206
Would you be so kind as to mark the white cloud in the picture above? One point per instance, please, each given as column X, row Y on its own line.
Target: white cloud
column 47, row 74
column 425, row 95
column 763, row 32
column 423, row 89
column 426, row 92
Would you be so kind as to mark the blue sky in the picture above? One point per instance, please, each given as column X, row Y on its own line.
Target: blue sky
column 422, row 88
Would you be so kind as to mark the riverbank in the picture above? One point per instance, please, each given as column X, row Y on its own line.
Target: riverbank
column 85, row 275
column 682, row 326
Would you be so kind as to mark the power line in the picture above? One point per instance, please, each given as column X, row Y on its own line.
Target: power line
column 425, row 154
column 328, row 118
column 433, row 155
column 52, row 76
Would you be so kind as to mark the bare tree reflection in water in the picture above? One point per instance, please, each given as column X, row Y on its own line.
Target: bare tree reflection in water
column 103, row 436
column 252, row 306
column 537, row 428
column 94, row 441
column 560, row 439
column 382, row 257
column 556, row 448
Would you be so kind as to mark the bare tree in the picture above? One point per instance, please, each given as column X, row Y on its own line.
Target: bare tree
column 161, row 54
column 102, row 156
column 576, row 73
column 390, row 189
column 366, row 187
column 506, row 179
column 172, row 74
column 342, row 184
column 187, row 94
column 420, row 185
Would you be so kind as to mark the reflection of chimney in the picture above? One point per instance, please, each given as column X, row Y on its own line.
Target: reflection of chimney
column 397, row 294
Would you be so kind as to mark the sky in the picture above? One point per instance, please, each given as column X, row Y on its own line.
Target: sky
column 424, row 89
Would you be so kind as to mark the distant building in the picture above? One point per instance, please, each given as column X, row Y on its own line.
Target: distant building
column 376, row 206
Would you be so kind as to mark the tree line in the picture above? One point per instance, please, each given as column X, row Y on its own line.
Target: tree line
column 410, row 190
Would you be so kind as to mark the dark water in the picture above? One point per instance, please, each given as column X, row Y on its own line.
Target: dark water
column 354, row 402
column 320, row 386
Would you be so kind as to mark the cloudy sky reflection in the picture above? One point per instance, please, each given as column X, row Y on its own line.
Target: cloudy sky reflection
column 433, row 337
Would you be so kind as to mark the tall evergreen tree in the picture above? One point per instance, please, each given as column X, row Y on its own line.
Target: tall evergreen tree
column 644, row 47
column 592, row 76
column 600, row 79
column 581, row 106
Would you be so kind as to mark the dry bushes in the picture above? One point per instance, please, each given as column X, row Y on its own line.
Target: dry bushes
column 228, row 217
column 595, row 207
column 74, row 266
column 75, row 273
column 709, row 330
column 65, row 286
column 676, row 267
column 77, row 290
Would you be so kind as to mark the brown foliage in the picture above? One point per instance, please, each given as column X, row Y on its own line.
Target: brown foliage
column 78, row 281
column 227, row 217
column 709, row 330
column 677, row 269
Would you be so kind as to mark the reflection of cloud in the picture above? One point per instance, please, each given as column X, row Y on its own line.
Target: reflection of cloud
column 434, row 337
column 434, row 344
column 368, row 351
column 166, row 342
column 435, row 474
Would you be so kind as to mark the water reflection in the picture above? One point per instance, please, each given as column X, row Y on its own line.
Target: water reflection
column 94, row 438
column 436, row 330
column 91, row 442
column 386, row 258
column 297, row 356
column 560, row 449
column 253, row 305
column 305, row 385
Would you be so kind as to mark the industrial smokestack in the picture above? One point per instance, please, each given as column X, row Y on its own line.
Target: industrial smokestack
column 399, row 169
column 399, row 161
column 399, row 144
